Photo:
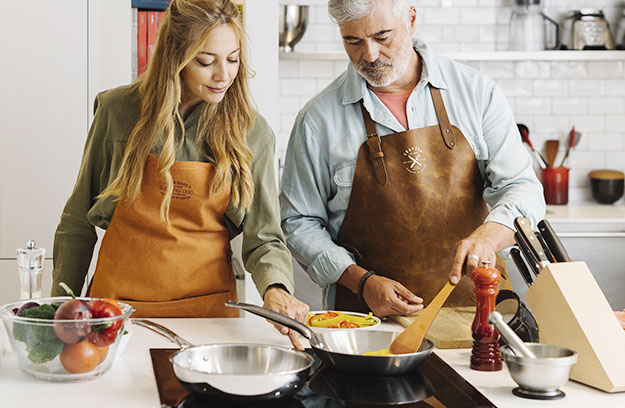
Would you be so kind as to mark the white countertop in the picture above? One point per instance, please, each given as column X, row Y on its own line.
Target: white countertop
column 605, row 213
column 130, row 382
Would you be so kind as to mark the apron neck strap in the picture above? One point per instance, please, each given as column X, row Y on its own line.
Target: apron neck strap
column 376, row 156
column 443, row 120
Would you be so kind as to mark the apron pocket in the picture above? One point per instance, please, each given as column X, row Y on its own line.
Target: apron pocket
column 199, row 306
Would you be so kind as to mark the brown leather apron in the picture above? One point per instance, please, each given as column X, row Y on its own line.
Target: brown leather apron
column 181, row 269
column 415, row 194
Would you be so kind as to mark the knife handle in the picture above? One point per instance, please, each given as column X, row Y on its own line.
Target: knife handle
column 515, row 253
column 527, row 254
column 543, row 244
column 525, row 230
column 553, row 242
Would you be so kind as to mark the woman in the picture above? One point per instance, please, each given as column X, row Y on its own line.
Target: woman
column 175, row 165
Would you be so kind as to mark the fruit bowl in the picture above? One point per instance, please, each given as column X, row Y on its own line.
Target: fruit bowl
column 53, row 347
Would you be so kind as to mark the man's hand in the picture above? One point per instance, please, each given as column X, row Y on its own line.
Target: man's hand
column 387, row 297
column 281, row 301
column 481, row 245
column 384, row 296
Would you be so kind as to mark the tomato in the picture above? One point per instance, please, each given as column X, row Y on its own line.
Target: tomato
column 79, row 357
column 104, row 335
column 346, row 324
column 102, row 353
column 322, row 316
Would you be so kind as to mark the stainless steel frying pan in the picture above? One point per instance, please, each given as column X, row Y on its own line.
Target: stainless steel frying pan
column 257, row 372
column 343, row 349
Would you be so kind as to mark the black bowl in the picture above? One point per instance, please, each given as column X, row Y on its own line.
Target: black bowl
column 606, row 186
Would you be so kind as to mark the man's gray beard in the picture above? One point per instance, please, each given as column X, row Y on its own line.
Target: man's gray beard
column 398, row 67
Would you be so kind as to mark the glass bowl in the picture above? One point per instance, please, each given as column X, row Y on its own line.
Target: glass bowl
column 41, row 353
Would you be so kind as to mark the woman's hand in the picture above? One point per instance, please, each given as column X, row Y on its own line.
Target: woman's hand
column 281, row 301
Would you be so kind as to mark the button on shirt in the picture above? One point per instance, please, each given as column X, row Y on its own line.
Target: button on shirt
column 329, row 130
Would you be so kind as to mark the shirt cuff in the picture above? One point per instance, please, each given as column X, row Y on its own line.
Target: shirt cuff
column 328, row 267
column 272, row 277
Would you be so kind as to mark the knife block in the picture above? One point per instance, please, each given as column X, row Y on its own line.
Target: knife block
column 572, row 311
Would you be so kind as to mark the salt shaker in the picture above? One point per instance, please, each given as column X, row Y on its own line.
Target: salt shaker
column 30, row 265
column 485, row 353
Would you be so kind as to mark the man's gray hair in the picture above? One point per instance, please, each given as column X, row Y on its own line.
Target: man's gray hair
column 346, row 10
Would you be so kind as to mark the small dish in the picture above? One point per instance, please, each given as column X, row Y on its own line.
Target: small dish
column 376, row 320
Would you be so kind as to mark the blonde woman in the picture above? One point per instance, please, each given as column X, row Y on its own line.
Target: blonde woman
column 175, row 165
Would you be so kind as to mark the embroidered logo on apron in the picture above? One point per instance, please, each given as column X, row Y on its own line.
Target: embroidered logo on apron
column 414, row 164
column 182, row 191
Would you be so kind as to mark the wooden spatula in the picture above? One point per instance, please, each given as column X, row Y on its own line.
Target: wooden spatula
column 551, row 147
column 411, row 338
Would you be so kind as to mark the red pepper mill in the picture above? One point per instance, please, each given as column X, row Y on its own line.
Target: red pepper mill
column 485, row 354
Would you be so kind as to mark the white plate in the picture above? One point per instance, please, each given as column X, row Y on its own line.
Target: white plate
column 325, row 329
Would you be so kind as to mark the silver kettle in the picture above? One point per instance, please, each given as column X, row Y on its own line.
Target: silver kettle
column 586, row 29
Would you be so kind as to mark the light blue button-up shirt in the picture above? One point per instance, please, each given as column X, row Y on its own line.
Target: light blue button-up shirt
column 329, row 130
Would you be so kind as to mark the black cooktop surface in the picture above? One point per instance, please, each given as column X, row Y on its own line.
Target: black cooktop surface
column 434, row 384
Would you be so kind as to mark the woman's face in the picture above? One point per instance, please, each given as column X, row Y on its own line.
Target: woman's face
column 211, row 72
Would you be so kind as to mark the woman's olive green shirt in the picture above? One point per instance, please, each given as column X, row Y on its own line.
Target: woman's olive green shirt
column 116, row 111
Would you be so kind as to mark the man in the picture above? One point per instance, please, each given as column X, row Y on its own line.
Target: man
column 406, row 171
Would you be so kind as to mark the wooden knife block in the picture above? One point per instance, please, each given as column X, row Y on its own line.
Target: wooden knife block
column 572, row 311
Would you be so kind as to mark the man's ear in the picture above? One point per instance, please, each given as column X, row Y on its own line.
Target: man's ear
column 412, row 19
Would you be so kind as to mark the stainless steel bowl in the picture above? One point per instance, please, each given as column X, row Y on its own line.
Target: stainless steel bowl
column 293, row 20
column 544, row 374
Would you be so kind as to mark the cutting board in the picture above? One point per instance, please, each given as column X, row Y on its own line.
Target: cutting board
column 451, row 327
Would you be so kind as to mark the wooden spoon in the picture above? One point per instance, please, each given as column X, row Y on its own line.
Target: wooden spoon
column 411, row 338
column 551, row 147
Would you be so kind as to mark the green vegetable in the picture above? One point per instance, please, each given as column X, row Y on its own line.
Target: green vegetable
column 41, row 341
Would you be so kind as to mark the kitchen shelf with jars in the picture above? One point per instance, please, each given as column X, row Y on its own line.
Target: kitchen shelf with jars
column 594, row 55
column 579, row 35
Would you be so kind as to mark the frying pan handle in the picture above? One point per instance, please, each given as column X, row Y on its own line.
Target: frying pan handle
column 274, row 317
column 163, row 331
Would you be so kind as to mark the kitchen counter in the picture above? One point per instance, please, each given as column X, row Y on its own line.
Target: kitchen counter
column 130, row 382
column 586, row 213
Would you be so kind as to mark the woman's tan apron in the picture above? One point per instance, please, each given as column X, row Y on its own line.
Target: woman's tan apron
column 415, row 195
column 178, row 270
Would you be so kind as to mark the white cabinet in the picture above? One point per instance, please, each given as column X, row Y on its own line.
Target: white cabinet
column 54, row 57
column 602, row 246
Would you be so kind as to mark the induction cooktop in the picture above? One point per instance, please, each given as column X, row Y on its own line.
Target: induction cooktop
column 434, row 384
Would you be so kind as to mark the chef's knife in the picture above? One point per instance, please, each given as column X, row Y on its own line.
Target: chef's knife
column 520, row 265
column 553, row 242
column 527, row 254
column 525, row 230
column 543, row 244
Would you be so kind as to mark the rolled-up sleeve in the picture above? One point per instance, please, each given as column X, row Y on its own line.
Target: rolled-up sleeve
column 512, row 188
column 303, row 202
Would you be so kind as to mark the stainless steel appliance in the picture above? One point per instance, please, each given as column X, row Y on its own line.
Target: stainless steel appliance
column 530, row 29
column 586, row 29
column 620, row 33
column 292, row 21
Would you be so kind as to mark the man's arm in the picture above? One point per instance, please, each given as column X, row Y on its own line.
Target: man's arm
column 512, row 188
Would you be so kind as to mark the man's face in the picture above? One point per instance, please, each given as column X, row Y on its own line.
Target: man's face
column 379, row 44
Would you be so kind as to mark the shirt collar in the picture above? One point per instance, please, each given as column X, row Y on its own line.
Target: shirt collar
column 355, row 87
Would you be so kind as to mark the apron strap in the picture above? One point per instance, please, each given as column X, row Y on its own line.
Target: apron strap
column 443, row 119
column 374, row 142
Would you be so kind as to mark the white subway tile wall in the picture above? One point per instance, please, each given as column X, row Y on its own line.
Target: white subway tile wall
column 548, row 96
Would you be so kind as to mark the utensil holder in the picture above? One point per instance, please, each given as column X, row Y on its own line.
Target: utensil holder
column 572, row 311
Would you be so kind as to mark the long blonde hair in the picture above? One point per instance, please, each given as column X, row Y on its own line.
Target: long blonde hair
column 222, row 128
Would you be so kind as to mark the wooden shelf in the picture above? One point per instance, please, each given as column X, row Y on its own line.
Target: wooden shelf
column 614, row 55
